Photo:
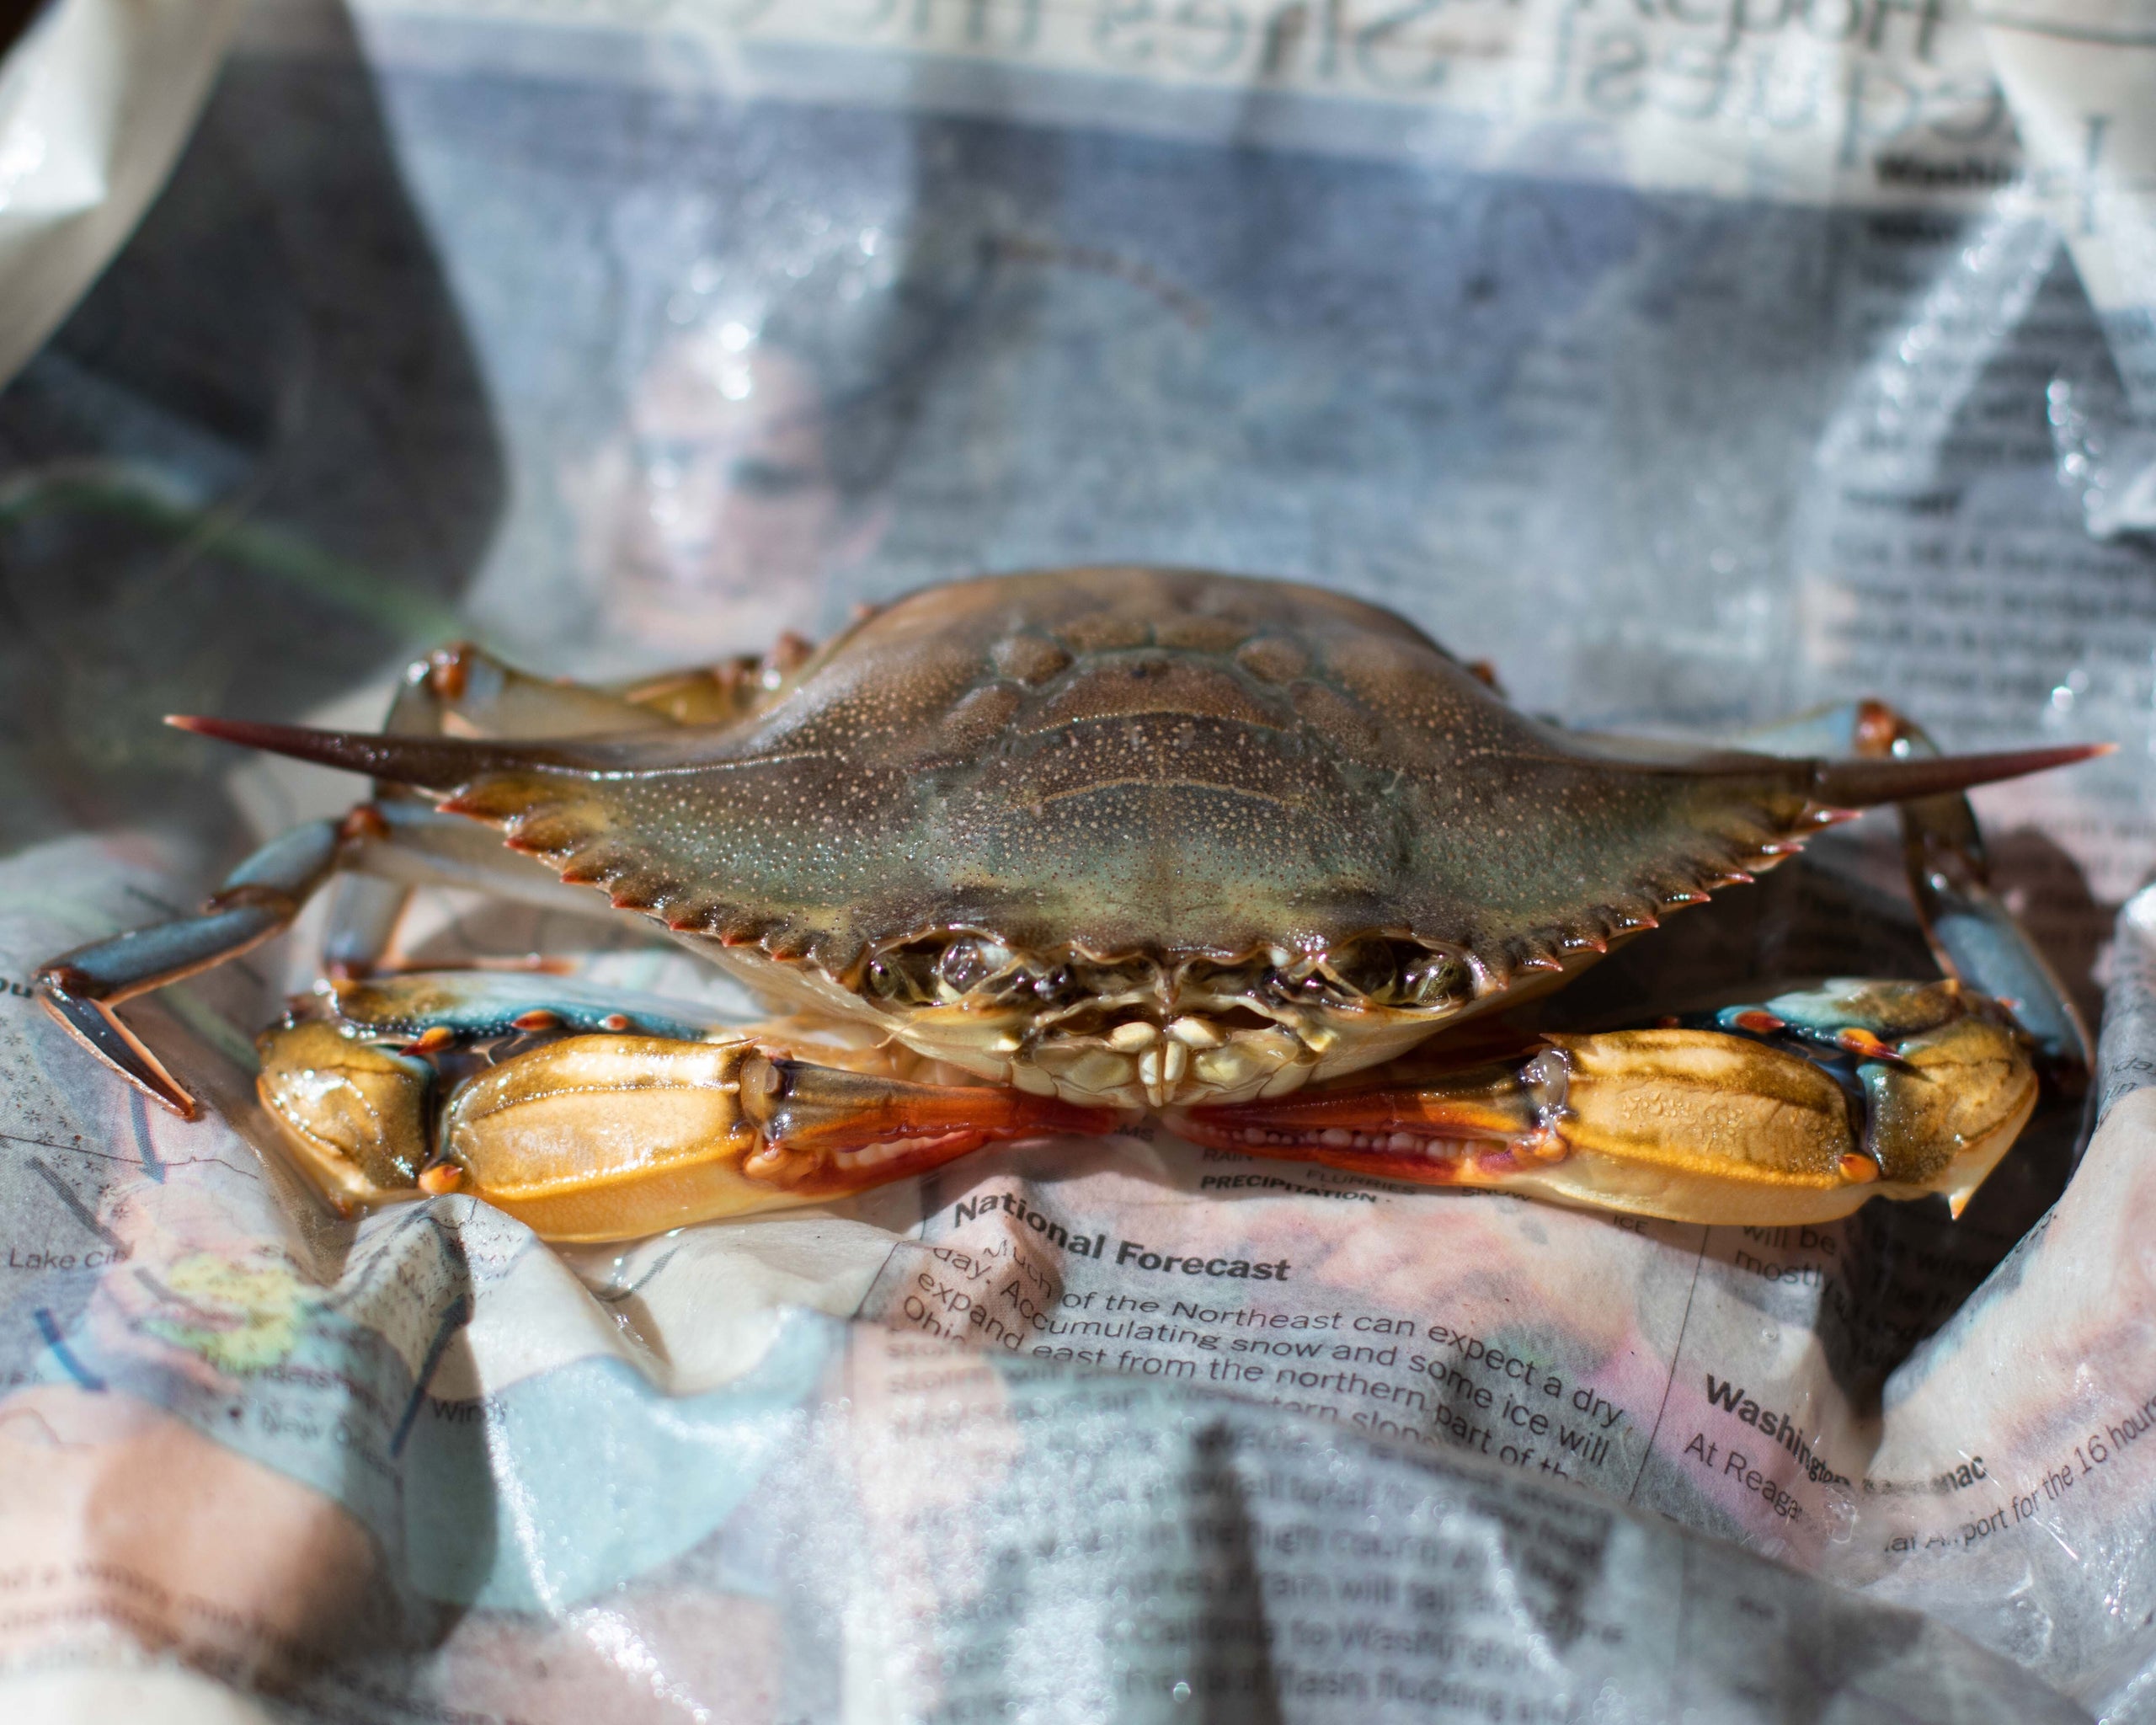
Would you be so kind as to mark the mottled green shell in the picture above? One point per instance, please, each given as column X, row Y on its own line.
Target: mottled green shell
column 1146, row 761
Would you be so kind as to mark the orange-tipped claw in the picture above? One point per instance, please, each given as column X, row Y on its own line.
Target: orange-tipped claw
column 1866, row 1045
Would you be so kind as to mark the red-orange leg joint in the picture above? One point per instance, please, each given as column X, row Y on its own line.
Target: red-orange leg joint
column 1865, row 1045
column 1878, row 727
column 361, row 823
column 449, row 670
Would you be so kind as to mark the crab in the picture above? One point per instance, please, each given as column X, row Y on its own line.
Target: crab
column 1056, row 853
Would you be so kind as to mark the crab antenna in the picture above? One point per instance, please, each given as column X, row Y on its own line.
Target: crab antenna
column 1859, row 784
column 434, row 763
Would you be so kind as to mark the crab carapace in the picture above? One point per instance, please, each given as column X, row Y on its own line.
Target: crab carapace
column 1055, row 852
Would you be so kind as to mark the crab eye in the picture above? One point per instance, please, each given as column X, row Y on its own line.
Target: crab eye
column 1433, row 978
column 929, row 972
column 904, row 974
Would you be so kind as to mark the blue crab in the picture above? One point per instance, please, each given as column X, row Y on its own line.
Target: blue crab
column 1061, row 851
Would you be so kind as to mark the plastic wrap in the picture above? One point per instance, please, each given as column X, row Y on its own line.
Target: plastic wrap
column 96, row 97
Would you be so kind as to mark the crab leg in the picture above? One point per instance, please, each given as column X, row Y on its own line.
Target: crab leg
column 377, row 853
column 1973, row 935
column 610, row 1137
column 458, row 691
column 587, row 1133
column 257, row 899
column 401, row 841
column 1795, row 1111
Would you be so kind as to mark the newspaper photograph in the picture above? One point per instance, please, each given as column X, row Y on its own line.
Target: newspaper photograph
column 1694, row 367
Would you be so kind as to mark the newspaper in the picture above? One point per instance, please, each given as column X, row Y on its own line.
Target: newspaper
column 1692, row 363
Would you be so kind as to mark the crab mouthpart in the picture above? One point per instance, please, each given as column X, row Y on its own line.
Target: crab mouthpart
column 1140, row 1063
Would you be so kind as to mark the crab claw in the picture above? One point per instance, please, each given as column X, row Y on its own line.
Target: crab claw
column 613, row 1136
column 610, row 1137
column 1692, row 1124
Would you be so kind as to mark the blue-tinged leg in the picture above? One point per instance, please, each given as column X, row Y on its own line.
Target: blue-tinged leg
column 459, row 690
column 383, row 848
column 257, row 899
column 1973, row 934
column 364, row 913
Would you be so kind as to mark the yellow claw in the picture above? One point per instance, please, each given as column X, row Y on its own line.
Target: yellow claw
column 606, row 1137
column 1687, row 1125
column 593, row 1137
column 1697, row 1126
column 1691, row 1121
column 1944, row 1112
column 616, row 1136
column 353, row 1113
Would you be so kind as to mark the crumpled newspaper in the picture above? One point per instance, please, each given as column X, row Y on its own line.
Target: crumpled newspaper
column 1694, row 365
